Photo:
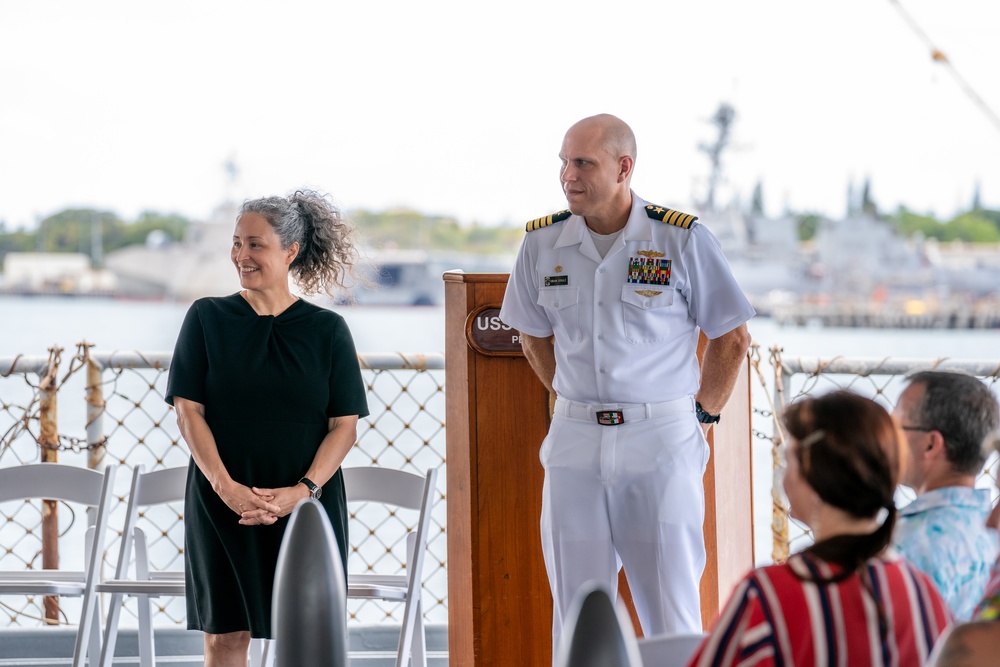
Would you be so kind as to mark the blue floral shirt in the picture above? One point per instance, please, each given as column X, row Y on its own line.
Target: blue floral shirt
column 943, row 532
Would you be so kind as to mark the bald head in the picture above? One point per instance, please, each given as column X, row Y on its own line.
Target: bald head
column 616, row 136
column 598, row 155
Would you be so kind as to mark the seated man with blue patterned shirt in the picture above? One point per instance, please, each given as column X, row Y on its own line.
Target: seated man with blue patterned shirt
column 946, row 417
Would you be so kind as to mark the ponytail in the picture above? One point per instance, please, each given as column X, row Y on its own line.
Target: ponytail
column 851, row 552
column 325, row 250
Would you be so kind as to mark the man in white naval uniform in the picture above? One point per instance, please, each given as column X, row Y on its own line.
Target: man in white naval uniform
column 609, row 297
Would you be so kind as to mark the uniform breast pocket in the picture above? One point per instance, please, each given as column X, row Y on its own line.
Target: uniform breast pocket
column 647, row 313
column 563, row 306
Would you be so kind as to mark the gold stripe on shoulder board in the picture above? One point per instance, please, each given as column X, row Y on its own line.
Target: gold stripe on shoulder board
column 670, row 216
column 538, row 223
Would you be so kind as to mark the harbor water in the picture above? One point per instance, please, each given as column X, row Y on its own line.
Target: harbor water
column 30, row 325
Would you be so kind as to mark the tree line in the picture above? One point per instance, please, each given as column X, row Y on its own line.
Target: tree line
column 96, row 232
column 972, row 226
column 91, row 232
column 975, row 225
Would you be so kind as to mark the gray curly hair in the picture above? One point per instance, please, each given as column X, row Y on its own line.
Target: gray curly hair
column 327, row 253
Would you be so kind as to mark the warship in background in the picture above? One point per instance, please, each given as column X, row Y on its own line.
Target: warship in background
column 414, row 277
column 856, row 271
column 200, row 265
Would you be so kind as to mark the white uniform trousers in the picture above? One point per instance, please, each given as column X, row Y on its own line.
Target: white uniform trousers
column 626, row 495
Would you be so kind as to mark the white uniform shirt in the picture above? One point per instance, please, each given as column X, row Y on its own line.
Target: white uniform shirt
column 624, row 337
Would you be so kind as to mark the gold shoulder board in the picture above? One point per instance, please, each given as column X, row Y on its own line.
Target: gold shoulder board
column 670, row 216
column 538, row 223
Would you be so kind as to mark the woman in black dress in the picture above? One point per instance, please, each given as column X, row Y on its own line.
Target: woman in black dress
column 268, row 392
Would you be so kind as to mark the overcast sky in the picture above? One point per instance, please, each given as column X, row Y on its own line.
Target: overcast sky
column 459, row 107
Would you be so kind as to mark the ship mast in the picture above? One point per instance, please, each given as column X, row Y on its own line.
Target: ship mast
column 232, row 178
column 723, row 121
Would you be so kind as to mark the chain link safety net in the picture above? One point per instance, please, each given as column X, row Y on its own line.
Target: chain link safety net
column 788, row 379
column 111, row 411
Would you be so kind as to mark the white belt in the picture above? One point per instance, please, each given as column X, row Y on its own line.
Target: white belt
column 613, row 414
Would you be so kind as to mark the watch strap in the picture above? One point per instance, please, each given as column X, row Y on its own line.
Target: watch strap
column 703, row 416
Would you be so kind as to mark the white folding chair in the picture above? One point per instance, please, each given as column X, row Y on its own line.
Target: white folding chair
column 669, row 650
column 71, row 484
column 262, row 652
column 148, row 489
column 410, row 491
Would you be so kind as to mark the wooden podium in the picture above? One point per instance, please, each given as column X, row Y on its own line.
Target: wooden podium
column 497, row 412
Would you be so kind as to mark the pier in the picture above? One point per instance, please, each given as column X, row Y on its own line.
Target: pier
column 876, row 315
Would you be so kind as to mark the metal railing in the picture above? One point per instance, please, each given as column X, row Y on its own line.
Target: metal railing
column 124, row 420
column 881, row 379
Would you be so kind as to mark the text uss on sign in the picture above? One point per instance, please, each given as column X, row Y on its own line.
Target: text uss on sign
column 488, row 335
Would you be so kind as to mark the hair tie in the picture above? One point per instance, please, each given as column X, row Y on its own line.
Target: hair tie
column 885, row 512
column 812, row 438
column 805, row 445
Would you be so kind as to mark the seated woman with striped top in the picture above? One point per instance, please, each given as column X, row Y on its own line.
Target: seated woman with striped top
column 848, row 599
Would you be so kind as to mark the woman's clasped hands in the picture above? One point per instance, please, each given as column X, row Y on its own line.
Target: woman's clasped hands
column 263, row 507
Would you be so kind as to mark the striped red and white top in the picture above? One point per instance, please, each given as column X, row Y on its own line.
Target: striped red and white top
column 776, row 618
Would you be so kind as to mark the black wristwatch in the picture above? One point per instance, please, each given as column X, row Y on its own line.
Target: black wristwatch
column 314, row 491
column 703, row 416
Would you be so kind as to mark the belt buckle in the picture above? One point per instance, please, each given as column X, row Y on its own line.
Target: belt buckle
column 610, row 417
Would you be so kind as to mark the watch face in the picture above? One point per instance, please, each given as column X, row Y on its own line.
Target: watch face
column 315, row 491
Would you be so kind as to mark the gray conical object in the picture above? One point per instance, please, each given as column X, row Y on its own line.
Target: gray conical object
column 597, row 634
column 309, row 608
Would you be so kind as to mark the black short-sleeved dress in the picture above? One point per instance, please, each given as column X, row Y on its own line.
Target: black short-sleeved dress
column 269, row 385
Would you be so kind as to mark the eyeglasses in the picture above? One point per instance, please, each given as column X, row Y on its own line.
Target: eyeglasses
column 927, row 429
column 924, row 429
